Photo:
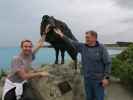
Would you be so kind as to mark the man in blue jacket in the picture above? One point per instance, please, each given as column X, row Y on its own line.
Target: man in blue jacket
column 96, row 64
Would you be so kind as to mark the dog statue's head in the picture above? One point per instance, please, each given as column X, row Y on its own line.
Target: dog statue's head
column 48, row 21
column 47, row 27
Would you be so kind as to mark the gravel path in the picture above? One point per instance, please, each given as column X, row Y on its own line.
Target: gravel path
column 116, row 92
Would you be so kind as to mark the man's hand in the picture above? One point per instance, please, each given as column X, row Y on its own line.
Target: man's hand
column 43, row 74
column 105, row 83
column 40, row 43
column 58, row 31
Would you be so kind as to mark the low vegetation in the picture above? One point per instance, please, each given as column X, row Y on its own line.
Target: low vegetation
column 122, row 66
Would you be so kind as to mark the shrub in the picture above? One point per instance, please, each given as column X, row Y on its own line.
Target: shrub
column 122, row 66
column 2, row 73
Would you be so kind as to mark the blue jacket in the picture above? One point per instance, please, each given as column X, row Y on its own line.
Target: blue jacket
column 95, row 60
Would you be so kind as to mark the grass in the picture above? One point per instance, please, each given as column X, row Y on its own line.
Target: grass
column 2, row 73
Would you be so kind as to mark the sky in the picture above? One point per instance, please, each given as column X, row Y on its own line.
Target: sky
column 20, row 19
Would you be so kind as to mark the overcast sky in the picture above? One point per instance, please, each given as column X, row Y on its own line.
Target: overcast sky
column 112, row 19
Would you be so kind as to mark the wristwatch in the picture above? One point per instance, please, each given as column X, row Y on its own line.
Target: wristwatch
column 106, row 77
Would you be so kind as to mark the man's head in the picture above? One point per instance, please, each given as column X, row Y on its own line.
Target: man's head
column 90, row 37
column 26, row 46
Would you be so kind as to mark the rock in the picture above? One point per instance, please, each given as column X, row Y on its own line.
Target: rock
column 64, row 83
column 73, row 87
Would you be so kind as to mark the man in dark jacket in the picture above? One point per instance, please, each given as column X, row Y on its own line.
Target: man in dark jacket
column 96, row 64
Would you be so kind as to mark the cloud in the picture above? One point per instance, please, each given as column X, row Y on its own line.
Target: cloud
column 21, row 19
column 127, row 20
column 128, row 4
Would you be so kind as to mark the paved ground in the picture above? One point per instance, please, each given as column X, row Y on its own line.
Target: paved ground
column 116, row 92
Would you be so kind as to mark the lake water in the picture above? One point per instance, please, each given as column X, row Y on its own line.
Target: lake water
column 44, row 56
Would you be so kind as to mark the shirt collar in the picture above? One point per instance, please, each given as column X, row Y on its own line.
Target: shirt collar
column 97, row 44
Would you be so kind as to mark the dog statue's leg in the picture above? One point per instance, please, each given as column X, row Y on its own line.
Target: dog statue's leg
column 56, row 54
column 62, row 56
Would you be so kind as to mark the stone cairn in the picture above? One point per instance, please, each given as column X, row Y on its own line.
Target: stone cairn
column 64, row 83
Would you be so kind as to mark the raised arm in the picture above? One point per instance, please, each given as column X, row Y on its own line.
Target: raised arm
column 71, row 42
column 38, row 45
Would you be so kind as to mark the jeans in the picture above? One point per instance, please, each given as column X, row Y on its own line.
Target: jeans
column 93, row 89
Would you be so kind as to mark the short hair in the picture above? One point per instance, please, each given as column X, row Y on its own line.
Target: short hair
column 92, row 33
column 23, row 41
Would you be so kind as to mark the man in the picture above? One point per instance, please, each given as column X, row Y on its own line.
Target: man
column 16, row 82
column 96, row 64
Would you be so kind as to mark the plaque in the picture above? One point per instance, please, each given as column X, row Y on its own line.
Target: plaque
column 64, row 87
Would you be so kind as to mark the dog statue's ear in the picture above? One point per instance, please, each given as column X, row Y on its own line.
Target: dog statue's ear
column 45, row 17
column 52, row 17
